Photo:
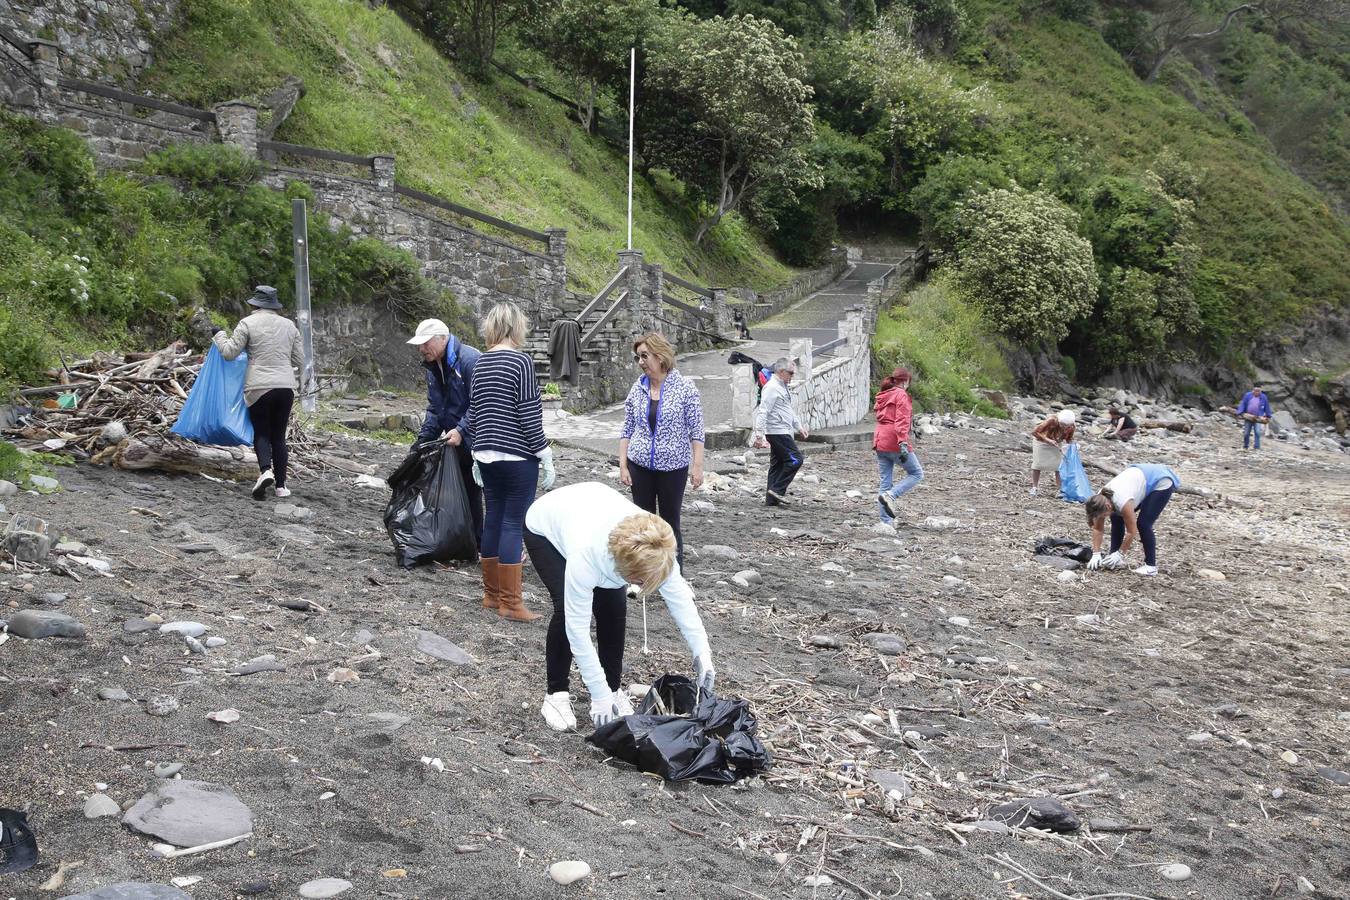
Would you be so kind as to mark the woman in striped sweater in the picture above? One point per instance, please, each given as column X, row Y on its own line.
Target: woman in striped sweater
column 506, row 432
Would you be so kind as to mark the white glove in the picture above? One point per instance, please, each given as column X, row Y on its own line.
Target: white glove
column 546, row 472
column 609, row 707
column 1096, row 562
column 1115, row 561
column 477, row 474
column 704, row 673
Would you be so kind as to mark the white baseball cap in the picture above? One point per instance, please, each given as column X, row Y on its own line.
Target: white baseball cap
column 1066, row 417
column 428, row 329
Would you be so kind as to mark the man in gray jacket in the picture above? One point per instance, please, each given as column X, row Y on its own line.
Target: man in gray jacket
column 775, row 422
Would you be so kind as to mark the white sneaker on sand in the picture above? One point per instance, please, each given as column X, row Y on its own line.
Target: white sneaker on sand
column 1032, row 492
column 265, row 481
column 283, row 492
column 557, row 712
column 1146, row 570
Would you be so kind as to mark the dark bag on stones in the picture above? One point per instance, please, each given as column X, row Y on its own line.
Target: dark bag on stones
column 428, row 516
column 682, row 736
column 1053, row 546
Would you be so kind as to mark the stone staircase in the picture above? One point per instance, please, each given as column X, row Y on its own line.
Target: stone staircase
column 598, row 358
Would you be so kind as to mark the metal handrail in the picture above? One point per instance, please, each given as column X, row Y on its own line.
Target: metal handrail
column 112, row 93
column 313, row 152
column 600, row 297
column 432, row 200
column 689, row 285
column 604, row 320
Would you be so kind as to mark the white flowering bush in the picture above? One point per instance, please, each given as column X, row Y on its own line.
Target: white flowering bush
column 1021, row 262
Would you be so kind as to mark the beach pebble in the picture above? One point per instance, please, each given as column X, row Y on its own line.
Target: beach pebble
column 224, row 716
column 168, row 769
column 324, row 887
column 958, row 621
column 1211, row 574
column 826, row 641
column 100, row 805
column 161, row 705
column 1066, row 576
column 814, row 881
column 1175, row 871
column 186, row 629
column 569, row 870
column 1305, row 886
column 113, row 693
column 1290, row 757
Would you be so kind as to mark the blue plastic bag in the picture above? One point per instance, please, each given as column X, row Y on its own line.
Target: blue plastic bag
column 215, row 412
column 1073, row 480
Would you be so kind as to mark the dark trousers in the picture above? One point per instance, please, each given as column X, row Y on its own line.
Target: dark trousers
column 661, row 493
column 475, row 493
column 1144, row 517
column 784, row 461
column 609, row 605
column 508, row 489
column 270, row 415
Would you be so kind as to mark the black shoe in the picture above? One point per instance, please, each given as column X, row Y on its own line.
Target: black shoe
column 889, row 503
column 777, row 499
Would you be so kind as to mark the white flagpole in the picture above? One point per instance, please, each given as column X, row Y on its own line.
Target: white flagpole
column 632, row 94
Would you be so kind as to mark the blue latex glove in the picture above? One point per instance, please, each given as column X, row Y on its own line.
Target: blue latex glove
column 477, row 474
column 546, row 471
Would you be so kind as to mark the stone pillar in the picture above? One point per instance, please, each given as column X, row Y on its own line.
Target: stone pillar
column 557, row 253
column 382, row 170
column 742, row 397
column 635, row 283
column 656, row 286
column 803, row 390
column 722, row 323
column 47, row 68
column 237, row 124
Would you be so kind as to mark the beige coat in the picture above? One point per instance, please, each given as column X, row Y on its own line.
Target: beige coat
column 273, row 345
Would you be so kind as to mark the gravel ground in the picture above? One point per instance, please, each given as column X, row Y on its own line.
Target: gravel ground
column 1170, row 710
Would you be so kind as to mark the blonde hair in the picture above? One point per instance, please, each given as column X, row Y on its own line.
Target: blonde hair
column 658, row 347
column 643, row 547
column 504, row 322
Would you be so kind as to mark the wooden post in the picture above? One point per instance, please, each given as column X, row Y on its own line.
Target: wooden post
column 300, row 231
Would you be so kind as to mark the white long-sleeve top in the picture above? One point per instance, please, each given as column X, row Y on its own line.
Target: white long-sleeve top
column 577, row 520
column 775, row 414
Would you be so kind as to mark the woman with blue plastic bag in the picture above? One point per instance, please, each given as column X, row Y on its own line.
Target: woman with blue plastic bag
column 1134, row 500
column 274, row 354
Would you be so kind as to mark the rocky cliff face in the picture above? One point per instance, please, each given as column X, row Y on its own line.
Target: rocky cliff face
column 105, row 38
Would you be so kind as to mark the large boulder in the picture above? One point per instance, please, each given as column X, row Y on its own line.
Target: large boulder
column 1283, row 421
column 190, row 813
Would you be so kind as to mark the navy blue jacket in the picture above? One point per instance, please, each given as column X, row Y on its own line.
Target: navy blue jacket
column 1265, row 404
column 448, row 384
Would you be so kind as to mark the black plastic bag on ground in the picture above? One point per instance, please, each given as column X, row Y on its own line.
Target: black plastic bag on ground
column 1054, row 546
column 428, row 516
column 682, row 736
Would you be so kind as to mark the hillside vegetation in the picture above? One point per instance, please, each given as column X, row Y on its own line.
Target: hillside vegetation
column 373, row 84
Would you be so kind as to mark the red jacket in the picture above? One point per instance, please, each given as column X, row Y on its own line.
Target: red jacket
column 894, row 410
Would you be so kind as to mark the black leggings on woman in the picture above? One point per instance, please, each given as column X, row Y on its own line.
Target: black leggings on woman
column 610, row 606
column 661, row 493
column 1144, row 517
column 270, row 415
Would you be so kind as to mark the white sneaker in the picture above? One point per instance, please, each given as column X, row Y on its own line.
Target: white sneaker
column 265, row 481
column 1146, row 570
column 557, row 712
column 283, row 492
column 1032, row 492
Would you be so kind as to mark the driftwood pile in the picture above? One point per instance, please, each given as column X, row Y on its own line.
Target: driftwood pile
column 118, row 411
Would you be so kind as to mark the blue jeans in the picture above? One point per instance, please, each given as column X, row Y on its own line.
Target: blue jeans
column 1144, row 516
column 886, row 462
column 508, row 488
column 1250, row 430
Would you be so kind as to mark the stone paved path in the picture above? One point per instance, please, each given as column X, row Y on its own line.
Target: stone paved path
column 816, row 316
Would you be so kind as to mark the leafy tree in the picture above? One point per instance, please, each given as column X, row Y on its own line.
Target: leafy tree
column 589, row 40
column 800, row 18
column 466, row 29
column 945, row 186
column 802, row 225
column 935, row 25
column 1021, row 262
column 728, row 110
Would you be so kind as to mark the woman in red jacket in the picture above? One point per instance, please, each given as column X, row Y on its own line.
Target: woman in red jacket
column 894, row 411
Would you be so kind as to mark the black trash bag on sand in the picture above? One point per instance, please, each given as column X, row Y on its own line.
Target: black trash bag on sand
column 1056, row 546
column 682, row 736
column 428, row 516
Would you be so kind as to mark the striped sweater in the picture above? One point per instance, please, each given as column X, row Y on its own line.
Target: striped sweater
column 504, row 410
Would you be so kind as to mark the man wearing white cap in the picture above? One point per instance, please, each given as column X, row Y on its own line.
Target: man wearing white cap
column 449, row 364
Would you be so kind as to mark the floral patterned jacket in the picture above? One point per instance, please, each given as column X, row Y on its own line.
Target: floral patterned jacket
column 679, row 420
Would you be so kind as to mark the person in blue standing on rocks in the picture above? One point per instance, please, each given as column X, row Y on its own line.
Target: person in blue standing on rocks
column 450, row 363
column 1253, row 410
column 661, row 445
column 775, row 422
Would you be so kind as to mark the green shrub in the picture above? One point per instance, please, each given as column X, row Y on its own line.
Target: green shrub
column 944, row 343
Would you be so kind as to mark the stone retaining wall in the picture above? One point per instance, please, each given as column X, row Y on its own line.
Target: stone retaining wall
column 106, row 39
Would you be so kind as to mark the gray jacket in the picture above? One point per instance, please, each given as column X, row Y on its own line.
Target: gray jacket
column 273, row 345
column 775, row 414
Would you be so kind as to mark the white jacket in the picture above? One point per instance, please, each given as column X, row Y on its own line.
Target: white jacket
column 274, row 353
column 577, row 520
column 775, row 414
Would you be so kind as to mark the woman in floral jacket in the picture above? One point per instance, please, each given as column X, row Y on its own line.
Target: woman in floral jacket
column 662, row 441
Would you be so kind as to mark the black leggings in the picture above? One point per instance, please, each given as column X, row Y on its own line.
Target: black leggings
column 1144, row 517
column 610, row 606
column 653, row 489
column 270, row 415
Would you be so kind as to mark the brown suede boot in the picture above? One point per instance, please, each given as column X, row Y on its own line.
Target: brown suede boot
column 508, row 589
column 492, row 593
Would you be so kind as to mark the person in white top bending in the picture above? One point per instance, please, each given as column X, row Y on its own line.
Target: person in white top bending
column 587, row 542
column 1133, row 499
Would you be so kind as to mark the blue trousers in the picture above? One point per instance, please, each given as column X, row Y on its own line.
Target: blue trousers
column 887, row 460
column 1251, row 430
column 1144, row 517
column 508, row 488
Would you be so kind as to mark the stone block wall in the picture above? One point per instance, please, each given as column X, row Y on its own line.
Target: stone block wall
column 105, row 39
column 120, row 135
column 364, row 345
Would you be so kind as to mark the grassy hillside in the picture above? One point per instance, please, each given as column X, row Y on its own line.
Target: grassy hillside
column 1271, row 248
column 373, row 84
